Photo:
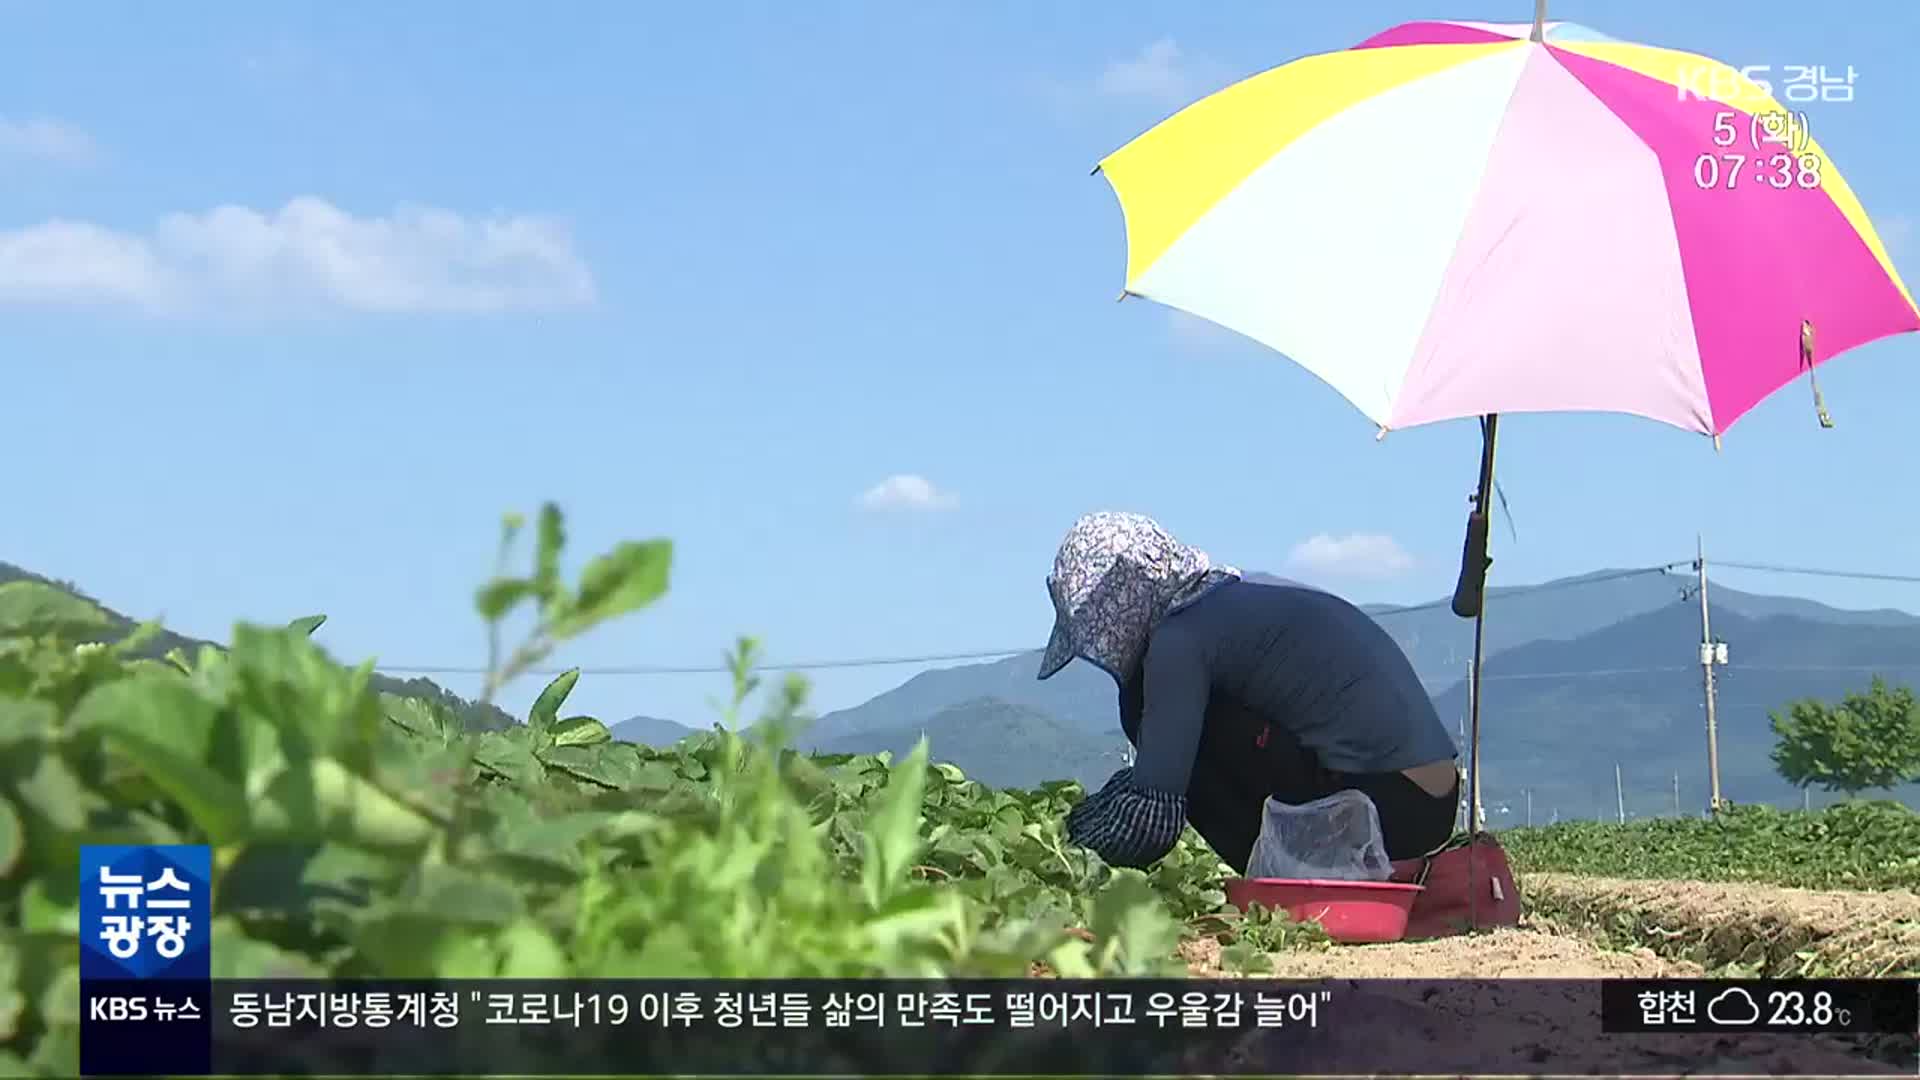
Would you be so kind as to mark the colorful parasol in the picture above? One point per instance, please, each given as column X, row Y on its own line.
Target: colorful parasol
column 1460, row 219
column 1451, row 221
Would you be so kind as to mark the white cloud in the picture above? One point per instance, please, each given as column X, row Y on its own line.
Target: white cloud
column 907, row 492
column 1162, row 73
column 1356, row 555
column 61, row 261
column 46, row 140
column 309, row 255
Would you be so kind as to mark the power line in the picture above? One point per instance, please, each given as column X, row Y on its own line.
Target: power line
column 1734, row 667
column 1545, row 586
column 803, row 665
column 943, row 658
column 1812, row 571
column 1890, row 666
column 1593, row 673
column 999, row 654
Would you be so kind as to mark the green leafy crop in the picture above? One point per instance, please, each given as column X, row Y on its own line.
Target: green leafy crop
column 357, row 833
column 1850, row 845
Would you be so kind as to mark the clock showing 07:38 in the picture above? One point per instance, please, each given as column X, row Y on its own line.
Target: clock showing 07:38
column 1782, row 171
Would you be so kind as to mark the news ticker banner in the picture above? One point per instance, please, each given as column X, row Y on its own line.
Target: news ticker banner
column 149, row 1008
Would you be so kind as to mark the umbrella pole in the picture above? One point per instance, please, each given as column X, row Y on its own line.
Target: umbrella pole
column 1469, row 602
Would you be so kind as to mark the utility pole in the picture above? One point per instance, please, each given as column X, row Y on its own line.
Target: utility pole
column 1707, row 658
column 1529, row 808
column 1676, row 795
column 1619, row 793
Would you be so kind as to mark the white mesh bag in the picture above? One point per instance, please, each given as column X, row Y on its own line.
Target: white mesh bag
column 1332, row 839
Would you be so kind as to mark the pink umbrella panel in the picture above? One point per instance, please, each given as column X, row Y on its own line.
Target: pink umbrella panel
column 1452, row 221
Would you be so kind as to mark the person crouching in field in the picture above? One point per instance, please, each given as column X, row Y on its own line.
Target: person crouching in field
column 1232, row 692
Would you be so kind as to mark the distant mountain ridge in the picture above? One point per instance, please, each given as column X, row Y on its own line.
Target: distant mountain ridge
column 650, row 731
column 1580, row 673
column 474, row 715
column 1638, row 705
column 997, row 743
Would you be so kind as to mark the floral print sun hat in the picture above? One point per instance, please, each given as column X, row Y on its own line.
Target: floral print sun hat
column 1116, row 576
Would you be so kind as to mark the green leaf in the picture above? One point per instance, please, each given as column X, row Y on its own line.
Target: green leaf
column 13, row 840
column 141, row 637
column 302, row 881
column 501, row 595
column 908, row 918
column 546, row 707
column 626, row 579
column 417, row 717
column 12, row 1001
column 215, row 804
column 27, row 720
column 580, row 731
column 607, row 765
column 508, row 754
column 529, row 952
column 459, row 896
column 51, row 907
column 891, row 840
column 237, row 956
column 550, row 850
column 61, row 1003
column 1134, row 934
column 322, row 798
column 30, row 608
column 546, row 559
column 307, row 624
column 420, row 945
column 58, row 1052
column 156, row 705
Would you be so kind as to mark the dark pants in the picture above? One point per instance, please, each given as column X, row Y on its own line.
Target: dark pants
column 1242, row 764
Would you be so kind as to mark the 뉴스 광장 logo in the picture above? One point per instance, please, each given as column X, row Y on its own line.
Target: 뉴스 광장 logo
column 144, row 911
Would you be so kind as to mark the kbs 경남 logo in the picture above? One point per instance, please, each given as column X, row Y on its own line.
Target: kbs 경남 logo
column 1801, row 83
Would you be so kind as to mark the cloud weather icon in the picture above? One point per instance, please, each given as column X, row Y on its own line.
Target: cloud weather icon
column 1733, row 1007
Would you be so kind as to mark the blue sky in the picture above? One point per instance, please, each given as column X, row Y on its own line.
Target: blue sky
column 714, row 271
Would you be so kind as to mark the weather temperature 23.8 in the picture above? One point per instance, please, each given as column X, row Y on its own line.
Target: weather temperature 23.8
column 1811, row 1006
column 1801, row 1010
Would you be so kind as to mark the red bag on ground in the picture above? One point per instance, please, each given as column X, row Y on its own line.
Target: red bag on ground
column 1469, row 886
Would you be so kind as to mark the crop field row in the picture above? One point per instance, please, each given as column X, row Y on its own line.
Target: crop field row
column 360, row 834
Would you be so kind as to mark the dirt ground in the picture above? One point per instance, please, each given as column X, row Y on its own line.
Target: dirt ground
column 1877, row 924
column 1481, row 1029
column 1523, row 953
column 1863, row 923
column 1827, row 912
column 1848, row 934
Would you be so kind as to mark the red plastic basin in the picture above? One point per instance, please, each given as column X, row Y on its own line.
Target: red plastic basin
column 1350, row 911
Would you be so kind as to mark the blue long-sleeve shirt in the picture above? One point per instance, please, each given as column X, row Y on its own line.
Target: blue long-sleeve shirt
column 1223, row 674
